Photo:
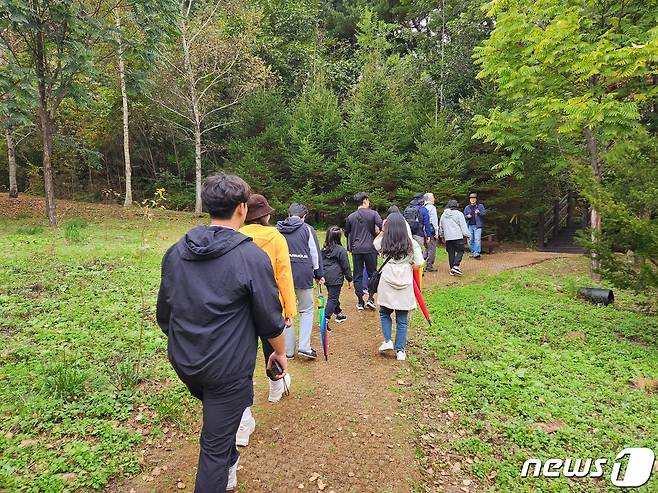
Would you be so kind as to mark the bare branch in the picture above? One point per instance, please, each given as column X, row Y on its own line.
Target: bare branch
column 218, row 125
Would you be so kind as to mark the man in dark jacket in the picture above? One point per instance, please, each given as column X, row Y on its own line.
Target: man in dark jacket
column 217, row 296
column 306, row 263
column 361, row 227
column 475, row 213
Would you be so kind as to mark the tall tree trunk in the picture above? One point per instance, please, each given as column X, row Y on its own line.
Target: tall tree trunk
column 46, row 122
column 124, row 99
column 597, row 173
column 197, row 174
column 11, row 154
column 197, row 124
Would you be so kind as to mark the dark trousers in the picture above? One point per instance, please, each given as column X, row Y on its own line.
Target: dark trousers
column 455, row 249
column 267, row 349
column 369, row 260
column 333, row 301
column 431, row 252
column 223, row 406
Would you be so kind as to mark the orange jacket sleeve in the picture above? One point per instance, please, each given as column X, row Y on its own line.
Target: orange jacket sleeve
column 283, row 275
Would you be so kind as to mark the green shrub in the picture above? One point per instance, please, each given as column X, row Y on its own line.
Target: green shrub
column 65, row 381
column 74, row 231
column 29, row 230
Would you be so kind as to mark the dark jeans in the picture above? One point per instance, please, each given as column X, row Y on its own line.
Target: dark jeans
column 369, row 260
column 333, row 301
column 223, row 406
column 455, row 249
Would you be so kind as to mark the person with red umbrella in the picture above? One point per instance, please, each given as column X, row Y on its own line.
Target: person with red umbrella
column 396, row 284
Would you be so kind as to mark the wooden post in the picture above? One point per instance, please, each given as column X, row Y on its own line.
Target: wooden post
column 540, row 231
column 556, row 220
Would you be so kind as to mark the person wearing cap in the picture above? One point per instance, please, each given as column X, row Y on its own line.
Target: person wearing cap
column 306, row 263
column 453, row 229
column 257, row 227
column 474, row 214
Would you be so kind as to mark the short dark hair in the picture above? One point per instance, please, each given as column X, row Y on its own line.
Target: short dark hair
column 222, row 193
column 359, row 197
column 297, row 209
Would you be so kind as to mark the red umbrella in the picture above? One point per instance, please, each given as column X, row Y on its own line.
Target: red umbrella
column 419, row 296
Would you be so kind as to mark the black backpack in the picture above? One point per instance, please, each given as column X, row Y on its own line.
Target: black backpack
column 412, row 216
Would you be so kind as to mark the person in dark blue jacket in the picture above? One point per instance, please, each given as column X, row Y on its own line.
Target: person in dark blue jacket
column 217, row 296
column 306, row 263
column 475, row 213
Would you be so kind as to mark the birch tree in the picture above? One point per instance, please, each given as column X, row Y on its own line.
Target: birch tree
column 140, row 28
column 210, row 71
column 15, row 101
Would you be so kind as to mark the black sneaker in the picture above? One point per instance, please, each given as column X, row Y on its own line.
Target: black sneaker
column 457, row 271
column 359, row 306
column 341, row 317
column 370, row 305
column 477, row 257
column 311, row 355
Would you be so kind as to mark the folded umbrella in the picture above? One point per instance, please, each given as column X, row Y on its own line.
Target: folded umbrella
column 419, row 296
column 324, row 337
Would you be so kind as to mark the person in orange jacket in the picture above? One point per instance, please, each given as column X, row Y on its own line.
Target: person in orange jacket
column 274, row 244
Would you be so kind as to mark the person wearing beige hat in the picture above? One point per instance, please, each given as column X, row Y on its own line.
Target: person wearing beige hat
column 474, row 214
column 274, row 244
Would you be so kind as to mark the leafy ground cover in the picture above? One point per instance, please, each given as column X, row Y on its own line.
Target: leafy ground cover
column 84, row 376
column 534, row 372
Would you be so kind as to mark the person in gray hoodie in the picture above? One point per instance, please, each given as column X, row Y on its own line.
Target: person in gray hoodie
column 454, row 231
column 306, row 263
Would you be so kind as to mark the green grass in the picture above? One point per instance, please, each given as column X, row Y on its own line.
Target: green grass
column 84, row 376
column 528, row 352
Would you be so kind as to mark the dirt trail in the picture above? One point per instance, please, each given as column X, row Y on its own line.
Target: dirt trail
column 342, row 422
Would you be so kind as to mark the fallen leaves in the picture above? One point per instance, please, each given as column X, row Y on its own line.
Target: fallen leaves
column 647, row 384
column 549, row 426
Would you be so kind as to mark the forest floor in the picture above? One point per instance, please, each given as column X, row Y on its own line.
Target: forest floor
column 489, row 384
column 345, row 426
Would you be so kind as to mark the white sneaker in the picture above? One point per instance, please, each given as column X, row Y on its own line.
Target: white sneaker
column 401, row 355
column 278, row 388
column 233, row 476
column 386, row 346
column 247, row 427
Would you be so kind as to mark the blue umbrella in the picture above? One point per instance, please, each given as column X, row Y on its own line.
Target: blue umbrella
column 323, row 324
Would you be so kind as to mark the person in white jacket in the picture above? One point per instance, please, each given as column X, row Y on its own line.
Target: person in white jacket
column 454, row 230
column 396, row 291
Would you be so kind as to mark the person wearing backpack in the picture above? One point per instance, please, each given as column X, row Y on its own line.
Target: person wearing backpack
column 336, row 271
column 361, row 227
column 453, row 229
column 418, row 219
column 395, row 290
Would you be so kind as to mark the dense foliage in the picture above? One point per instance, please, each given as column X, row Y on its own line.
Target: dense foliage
column 519, row 100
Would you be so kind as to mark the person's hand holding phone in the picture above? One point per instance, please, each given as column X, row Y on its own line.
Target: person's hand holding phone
column 282, row 360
